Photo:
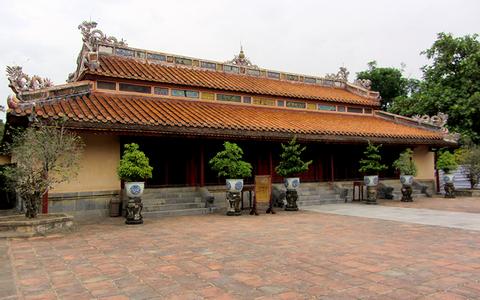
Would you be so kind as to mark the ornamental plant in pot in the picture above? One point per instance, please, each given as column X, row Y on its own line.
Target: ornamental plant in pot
column 228, row 164
column 406, row 166
column 134, row 168
column 290, row 166
column 371, row 165
column 447, row 163
column 408, row 170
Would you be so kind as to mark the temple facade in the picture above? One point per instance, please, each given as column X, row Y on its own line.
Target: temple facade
column 181, row 109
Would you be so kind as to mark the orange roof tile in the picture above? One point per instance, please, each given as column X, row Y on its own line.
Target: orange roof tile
column 163, row 116
column 120, row 67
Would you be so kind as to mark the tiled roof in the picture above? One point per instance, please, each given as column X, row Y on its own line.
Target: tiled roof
column 120, row 67
column 160, row 116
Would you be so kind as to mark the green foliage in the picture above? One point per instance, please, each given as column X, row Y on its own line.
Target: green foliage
column 44, row 155
column 291, row 162
column 451, row 85
column 469, row 157
column 405, row 163
column 390, row 82
column 371, row 164
column 446, row 162
column 134, row 165
column 228, row 163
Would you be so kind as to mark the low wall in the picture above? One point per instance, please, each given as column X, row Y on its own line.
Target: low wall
column 82, row 205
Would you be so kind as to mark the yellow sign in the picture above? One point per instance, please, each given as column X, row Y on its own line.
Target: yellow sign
column 263, row 188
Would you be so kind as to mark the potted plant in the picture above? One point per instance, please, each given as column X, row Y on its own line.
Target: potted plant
column 371, row 165
column 290, row 166
column 134, row 168
column 447, row 163
column 228, row 164
column 408, row 170
column 406, row 166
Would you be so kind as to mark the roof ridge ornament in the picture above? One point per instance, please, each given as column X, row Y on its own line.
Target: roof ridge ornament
column 92, row 36
column 20, row 82
column 342, row 75
column 241, row 60
column 364, row 83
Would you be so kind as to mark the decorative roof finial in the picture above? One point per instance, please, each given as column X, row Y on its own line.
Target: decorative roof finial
column 92, row 36
column 21, row 82
column 241, row 60
column 342, row 75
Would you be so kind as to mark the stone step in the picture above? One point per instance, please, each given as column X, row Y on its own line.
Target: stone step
column 319, row 202
column 178, row 206
column 171, row 200
column 172, row 189
column 180, row 212
column 170, row 195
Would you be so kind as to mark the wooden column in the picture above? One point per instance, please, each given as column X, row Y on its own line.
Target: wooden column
column 270, row 160
column 45, row 203
column 332, row 166
column 202, row 165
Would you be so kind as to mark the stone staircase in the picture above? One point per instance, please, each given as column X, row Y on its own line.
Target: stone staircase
column 395, row 184
column 316, row 193
column 176, row 201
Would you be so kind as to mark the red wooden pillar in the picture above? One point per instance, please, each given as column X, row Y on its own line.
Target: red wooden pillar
column 332, row 171
column 192, row 175
column 45, row 203
column 270, row 161
column 202, row 165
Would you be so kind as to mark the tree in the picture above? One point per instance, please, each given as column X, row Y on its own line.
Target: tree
column 134, row 165
column 447, row 162
column 469, row 157
column 44, row 155
column 228, row 163
column 291, row 162
column 405, row 163
column 371, row 164
column 451, row 84
column 390, row 82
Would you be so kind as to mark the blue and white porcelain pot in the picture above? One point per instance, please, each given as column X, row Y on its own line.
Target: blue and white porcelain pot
column 371, row 180
column 234, row 185
column 448, row 178
column 134, row 189
column 406, row 180
column 292, row 183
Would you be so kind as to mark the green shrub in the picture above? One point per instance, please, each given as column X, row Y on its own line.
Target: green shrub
column 228, row 163
column 446, row 162
column 291, row 163
column 405, row 163
column 371, row 164
column 134, row 165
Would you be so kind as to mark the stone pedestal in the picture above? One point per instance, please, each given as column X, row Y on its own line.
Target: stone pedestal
column 291, row 197
column 407, row 193
column 371, row 195
column 449, row 190
column 233, row 204
column 134, row 211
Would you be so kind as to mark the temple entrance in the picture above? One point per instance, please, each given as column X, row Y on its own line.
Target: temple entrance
column 184, row 161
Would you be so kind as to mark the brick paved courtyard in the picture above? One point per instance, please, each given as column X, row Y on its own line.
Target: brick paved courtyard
column 299, row 255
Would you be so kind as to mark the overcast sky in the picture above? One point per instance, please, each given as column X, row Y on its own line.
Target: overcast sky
column 311, row 37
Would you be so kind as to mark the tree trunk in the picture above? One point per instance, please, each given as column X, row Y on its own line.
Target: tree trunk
column 31, row 205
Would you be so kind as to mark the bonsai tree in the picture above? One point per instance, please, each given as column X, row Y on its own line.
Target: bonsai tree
column 228, row 163
column 134, row 165
column 446, row 162
column 405, row 163
column 44, row 155
column 291, row 162
column 371, row 164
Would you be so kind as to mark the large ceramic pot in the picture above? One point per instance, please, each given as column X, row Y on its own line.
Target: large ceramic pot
column 448, row 178
column 371, row 180
column 234, row 185
column 406, row 180
column 134, row 189
column 292, row 183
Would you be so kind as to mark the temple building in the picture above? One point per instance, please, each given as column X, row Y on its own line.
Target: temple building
column 181, row 109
